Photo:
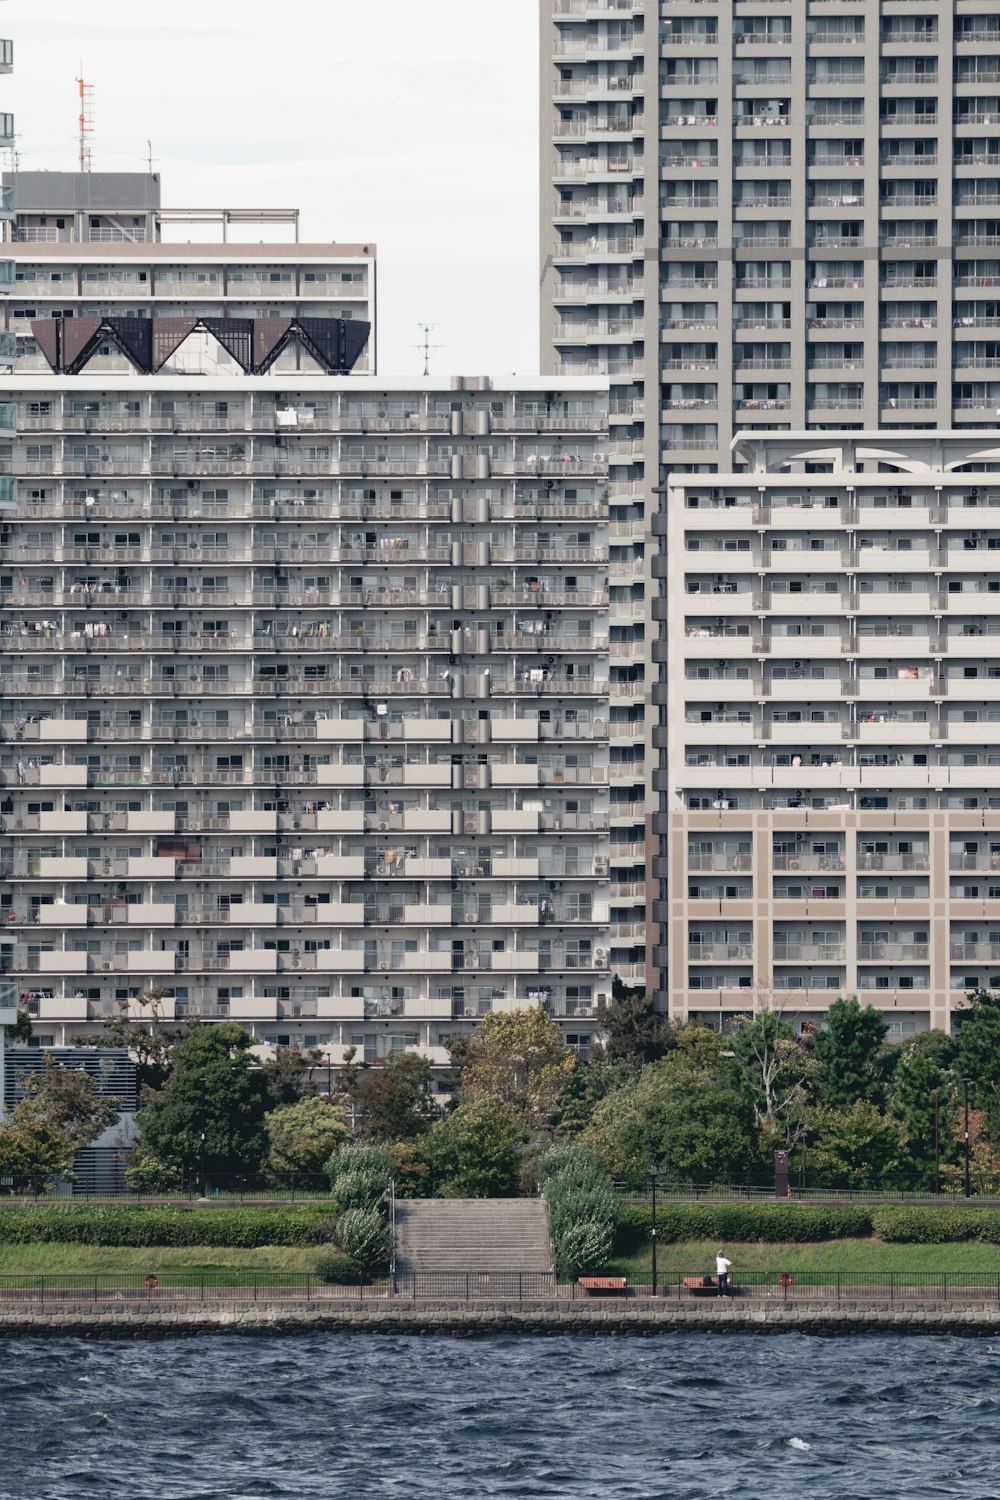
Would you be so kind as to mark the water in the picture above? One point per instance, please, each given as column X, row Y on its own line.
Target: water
column 683, row 1417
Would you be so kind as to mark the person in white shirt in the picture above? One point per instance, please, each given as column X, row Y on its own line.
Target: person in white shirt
column 722, row 1273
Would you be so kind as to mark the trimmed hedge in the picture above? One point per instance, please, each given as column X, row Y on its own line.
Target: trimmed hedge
column 134, row 1226
column 771, row 1223
column 337, row 1269
column 935, row 1226
column 803, row 1223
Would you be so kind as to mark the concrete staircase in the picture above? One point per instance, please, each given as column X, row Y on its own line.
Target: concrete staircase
column 472, row 1234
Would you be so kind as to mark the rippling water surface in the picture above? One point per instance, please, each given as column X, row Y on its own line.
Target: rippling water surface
column 683, row 1417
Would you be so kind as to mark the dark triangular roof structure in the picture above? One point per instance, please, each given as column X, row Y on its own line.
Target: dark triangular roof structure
column 168, row 335
column 254, row 343
column 134, row 336
column 236, row 337
column 78, row 334
column 270, row 335
column 332, row 340
column 46, row 331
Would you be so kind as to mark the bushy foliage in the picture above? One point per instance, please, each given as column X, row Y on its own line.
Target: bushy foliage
column 364, row 1236
column 378, row 1160
column 359, row 1190
column 475, row 1152
column 335, row 1268
column 303, row 1136
column 582, row 1209
column 763, row 1223
column 130, row 1225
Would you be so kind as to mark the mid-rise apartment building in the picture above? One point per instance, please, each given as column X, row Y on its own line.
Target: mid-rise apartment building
column 303, row 698
column 99, row 244
column 8, row 991
column 759, row 217
column 833, row 712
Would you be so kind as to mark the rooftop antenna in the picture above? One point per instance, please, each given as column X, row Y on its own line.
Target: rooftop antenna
column 86, row 123
column 425, row 346
column 149, row 157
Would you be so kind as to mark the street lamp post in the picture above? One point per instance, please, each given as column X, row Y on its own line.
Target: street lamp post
column 968, row 1169
column 654, row 1177
column 937, row 1140
column 202, row 1172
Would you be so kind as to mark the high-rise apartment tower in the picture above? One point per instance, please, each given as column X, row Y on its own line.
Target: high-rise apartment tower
column 758, row 216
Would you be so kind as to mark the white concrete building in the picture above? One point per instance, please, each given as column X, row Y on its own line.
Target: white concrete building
column 99, row 244
column 303, row 698
column 833, row 713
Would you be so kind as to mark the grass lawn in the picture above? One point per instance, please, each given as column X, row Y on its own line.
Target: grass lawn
column 80, row 1260
column 698, row 1256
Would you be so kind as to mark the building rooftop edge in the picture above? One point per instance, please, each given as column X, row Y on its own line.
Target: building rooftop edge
column 154, row 249
column 373, row 385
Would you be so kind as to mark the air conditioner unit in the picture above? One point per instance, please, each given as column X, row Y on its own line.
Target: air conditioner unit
column 383, row 827
column 296, row 963
column 601, row 865
column 600, row 957
column 793, row 864
column 470, row 917
column 383, row 964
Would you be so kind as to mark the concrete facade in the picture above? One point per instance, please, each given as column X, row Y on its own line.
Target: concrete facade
column 304, row 703
column 834, row 813
column 756, row 216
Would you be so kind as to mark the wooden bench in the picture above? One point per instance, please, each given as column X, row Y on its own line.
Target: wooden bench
column 603, row 1284
column 707, row 1286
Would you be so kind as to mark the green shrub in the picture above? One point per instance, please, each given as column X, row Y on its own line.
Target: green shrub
column 325, row 1232
column 571, row 1163
column 765, row 1223
column 569, row 1203
column 584, row 1245
column 131, row 1225
column 378, row 1160
column 929, row 1225
column 582, row 1208
column 335, row 1268
column 358, row 1190
column 364, row 1235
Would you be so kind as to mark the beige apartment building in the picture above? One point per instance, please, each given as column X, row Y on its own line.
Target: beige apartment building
column 833, row 712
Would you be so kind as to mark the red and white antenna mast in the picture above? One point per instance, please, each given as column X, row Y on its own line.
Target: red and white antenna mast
column 86, row 124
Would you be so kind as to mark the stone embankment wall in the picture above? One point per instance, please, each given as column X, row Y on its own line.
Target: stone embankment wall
column 80, row 1318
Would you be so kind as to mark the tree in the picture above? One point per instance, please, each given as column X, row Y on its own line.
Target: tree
column 852, row 1063
column 775, row 1066
column 685, row 1114
column 857, row 1147
column 60, row 1114
column 589, row 1083
column 922, row 1070
column 633, row 1031
column 516, row 1059
column 475, row 1151
column 303, row 1136
column 138, row 1024
column 289, row 1074
column 236, row 1101
column 20, row 1031
column 393, row 1099
column 977, row 1054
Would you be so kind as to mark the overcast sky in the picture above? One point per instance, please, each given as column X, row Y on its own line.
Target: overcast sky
column 412, row 123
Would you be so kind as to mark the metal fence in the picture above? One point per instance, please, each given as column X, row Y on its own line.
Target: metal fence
column 762, row 1191
column 496, row 1286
